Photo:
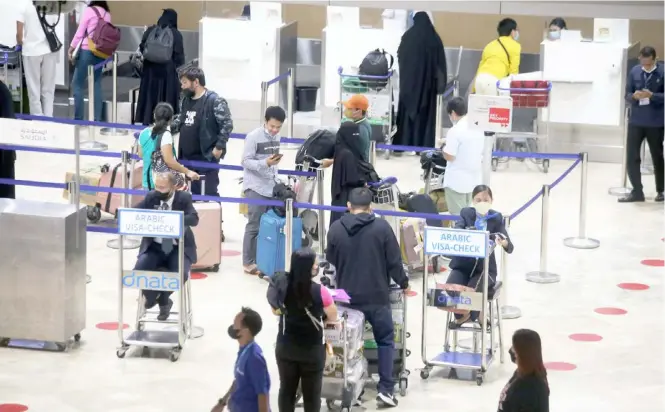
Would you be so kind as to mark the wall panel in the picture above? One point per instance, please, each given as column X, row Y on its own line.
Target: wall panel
column 311, row 19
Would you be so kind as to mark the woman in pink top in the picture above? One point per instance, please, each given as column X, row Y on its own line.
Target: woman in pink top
column 92, row 14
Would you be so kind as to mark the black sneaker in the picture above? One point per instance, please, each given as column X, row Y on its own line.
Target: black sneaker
column 632, row 198
column 386, row 400
column 165, row 311
column 659, row 197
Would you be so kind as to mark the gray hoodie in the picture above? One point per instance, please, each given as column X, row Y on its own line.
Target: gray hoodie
column 257, row 175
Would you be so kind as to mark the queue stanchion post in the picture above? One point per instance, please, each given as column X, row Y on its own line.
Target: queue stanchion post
column 124, row 242
column 581, row 241
column 507, row 311
column 623, row 190
column 542, row 275
column 264, row 102
column 439, row 119
column 114, row 131
column 76, row 200
column 288, row 234
column 372, row 152
column 321, row 229
column 290, row 106
column 91, row 143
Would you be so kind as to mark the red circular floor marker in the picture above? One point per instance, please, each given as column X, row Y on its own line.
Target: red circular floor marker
column 198, row 276
column 633, row 286
column 411, row 293
column 610, row 311
column 560, row 366
column 105, row 326
column 585, row 337
column 12, row 407
column 230, row 253
column 653, row 262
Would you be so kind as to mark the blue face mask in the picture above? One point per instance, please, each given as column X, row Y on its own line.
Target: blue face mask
column 517, row 36
column 555, row 35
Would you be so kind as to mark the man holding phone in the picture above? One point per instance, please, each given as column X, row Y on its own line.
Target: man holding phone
column 259, row 161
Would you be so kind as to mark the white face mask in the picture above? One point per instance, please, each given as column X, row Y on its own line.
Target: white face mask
column 482, row 208
column 650, row 70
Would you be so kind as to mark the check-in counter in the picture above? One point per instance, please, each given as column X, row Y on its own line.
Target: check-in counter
column 42, row 271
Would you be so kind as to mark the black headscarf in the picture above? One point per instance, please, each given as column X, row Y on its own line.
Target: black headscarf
column 169, row 19
column 348, row 156
column 348, row 137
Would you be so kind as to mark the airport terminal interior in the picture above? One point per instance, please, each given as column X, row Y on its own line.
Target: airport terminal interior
column 600, row 325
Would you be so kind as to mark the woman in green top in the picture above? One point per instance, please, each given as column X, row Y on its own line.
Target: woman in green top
column 156, row 142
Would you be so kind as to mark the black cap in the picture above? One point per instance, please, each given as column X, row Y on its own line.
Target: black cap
column 360, row 197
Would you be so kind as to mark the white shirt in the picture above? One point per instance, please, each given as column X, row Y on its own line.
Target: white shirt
column 465, row 172
column 170, row 207
column 34, row 39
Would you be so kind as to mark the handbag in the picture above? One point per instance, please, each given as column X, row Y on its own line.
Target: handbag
column 158, row 165
column 54, row 42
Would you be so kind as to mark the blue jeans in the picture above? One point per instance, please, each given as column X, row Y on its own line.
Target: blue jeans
column 85, row 59
column 381, row 319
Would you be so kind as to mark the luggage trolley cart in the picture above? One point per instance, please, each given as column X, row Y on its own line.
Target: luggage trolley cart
column 163, row 224
column 379, row 91
column 313, row 223
column 526, row 94
column 12, row 70
column 385, row 198
column 461, row 299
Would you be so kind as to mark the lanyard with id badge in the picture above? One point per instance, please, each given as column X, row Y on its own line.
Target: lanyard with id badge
column 647, row 78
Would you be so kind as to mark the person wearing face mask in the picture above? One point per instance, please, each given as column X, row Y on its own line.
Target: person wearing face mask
column 204, row 124
column 644, row 93
column 464, row 153
column 556, row 25
column 468, row 271
column 305, row 308
column 250, row 389
column 156, row 253
column 500, row 58
column 528, row 389
column 259, row 161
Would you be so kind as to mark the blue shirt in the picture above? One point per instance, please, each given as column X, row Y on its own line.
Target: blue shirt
column 251, row 379
column 651, row 114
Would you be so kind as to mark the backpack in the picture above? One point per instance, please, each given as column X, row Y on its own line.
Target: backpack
column 431, row 158
column 158, row 46
column 105, row 39
column 376, row 63
column 368, row 172
column 282, row 192
column 319, row 145
column 277, row 287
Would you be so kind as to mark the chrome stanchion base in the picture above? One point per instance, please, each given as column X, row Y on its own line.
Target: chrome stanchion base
column 646, row 170
column 581, row 243
column 619, row 191
column 196, row 332
column 542, row 277
column 112, row 131
column 127, row 243
column 94, row 145
column 510, row 312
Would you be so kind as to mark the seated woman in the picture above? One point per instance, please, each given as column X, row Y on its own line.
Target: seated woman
column 157, row 150
column 468, row 271
column 300, row 350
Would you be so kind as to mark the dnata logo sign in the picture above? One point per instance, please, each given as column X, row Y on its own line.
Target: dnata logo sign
column 445, row 300
column 169, row 282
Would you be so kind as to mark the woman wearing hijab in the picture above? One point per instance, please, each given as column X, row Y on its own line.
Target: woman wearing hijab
column 159, row 81
column 422, row 75
column 349, row 170
column 7, row 157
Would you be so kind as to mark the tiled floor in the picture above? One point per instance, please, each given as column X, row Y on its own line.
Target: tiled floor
column 621, row 372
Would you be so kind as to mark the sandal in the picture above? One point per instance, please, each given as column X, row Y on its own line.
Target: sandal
column 254, row 271
column 456, row 324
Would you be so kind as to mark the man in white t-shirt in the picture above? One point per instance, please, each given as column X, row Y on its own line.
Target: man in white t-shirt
column 38, row 60
column 464, row 153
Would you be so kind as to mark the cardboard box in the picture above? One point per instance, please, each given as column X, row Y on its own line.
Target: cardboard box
column 89, row 177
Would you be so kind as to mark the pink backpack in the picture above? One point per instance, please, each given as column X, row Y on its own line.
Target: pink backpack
column 104, row 39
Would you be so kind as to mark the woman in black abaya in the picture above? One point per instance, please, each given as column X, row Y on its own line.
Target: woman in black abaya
column 159, row 81
column 7, row 157
column 422, row 75
column 347, row 170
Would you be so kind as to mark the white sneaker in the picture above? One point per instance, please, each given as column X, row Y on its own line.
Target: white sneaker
column 386, row 400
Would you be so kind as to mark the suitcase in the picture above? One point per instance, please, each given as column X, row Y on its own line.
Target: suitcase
column 333, row 388
column 271, row 242
column 208, row 240
column 110, row 202
column 411, row 241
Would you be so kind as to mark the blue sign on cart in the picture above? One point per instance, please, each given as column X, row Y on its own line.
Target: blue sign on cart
column 150, row 223
column 455, row 242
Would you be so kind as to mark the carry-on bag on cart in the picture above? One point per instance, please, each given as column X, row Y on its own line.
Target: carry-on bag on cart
column 271, row 242
column 208, row 240
column 319, row 145
column 110, row 202
column 349, row 338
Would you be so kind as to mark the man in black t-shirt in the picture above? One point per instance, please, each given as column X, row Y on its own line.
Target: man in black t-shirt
column 204, row 124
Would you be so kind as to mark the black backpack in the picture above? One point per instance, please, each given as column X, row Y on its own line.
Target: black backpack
column 282, row 192
column 158, row 46
column 431, row 158
column 377, row 63
column 319, row 145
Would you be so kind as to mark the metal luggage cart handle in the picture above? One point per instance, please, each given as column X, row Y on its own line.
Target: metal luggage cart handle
column 341, row 73
column 526, row 89
column 388, row 181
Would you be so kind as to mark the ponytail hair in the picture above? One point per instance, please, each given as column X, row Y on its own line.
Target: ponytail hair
column 163, row 115
column 300, row 276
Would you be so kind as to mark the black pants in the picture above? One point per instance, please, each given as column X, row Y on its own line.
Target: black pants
column 211, row 177
column 654, row 137
column 300, row 365
column 459, row 277
column 154, row 259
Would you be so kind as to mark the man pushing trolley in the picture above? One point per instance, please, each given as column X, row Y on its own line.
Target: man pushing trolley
column 166, row 254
